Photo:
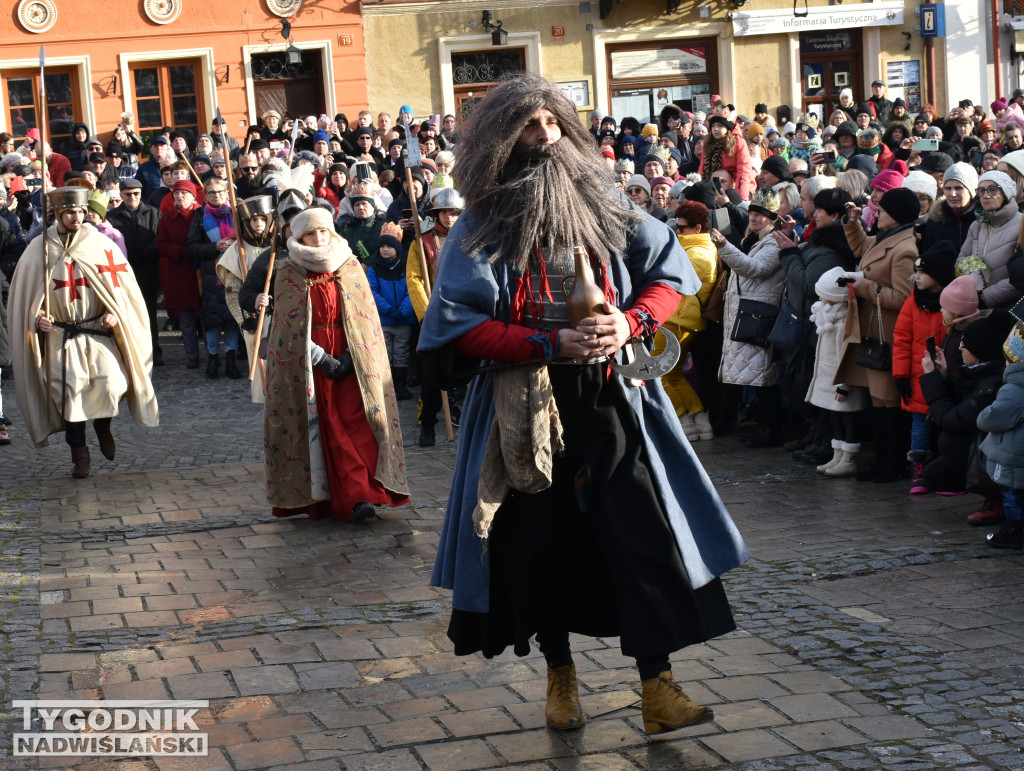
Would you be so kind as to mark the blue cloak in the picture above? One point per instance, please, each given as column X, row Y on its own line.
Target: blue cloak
column 470, row 290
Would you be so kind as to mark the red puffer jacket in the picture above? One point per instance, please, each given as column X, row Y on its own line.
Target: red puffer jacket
column 913, row 327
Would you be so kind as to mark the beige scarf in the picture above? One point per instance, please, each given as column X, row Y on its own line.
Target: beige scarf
column 525, row 436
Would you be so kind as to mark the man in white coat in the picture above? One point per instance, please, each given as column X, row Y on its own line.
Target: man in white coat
column 79, row 333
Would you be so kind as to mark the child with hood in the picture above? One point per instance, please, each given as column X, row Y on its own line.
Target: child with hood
column 805, row 142
column 920, row 319
column 386, row 277
column 1003, row 448
column 841, row 401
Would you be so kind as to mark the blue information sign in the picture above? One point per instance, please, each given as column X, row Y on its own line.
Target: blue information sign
column 933, row 20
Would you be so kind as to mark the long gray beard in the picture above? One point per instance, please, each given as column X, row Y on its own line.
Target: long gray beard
column 553, row 198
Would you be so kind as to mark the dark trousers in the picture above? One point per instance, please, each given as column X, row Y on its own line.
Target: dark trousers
column 74, row 432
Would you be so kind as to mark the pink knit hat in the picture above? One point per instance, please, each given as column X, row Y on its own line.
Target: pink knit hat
column 960, row 297
column 887, row 180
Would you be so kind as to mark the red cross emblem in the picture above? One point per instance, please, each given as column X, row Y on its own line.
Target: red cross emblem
column 72, row 283
column 112, row 268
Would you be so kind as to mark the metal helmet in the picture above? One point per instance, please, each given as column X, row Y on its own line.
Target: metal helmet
column 290, row 203
column 446, row 198
column 69, row 198
column 255, row 206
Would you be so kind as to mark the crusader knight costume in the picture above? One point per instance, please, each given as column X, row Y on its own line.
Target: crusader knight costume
column 99, row 349
column 577, row 504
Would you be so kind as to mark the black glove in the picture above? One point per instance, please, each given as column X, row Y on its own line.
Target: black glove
column 336, row 369
column 903, row 386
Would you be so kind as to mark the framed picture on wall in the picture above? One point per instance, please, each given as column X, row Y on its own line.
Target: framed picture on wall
column 842, row 79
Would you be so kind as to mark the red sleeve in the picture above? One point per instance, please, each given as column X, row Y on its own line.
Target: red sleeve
column 659, row 301
column 507, row 342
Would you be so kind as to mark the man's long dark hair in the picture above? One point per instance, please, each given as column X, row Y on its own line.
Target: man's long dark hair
column 554, row 196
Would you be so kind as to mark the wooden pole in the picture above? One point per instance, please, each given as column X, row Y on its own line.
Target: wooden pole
column 263, row 312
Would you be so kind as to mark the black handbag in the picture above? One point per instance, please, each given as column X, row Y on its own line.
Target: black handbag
column 789, row 331
column 874, row 352
column 754, row 321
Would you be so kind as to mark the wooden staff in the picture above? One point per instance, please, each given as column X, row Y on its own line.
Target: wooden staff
column 446, row 409
column 44, row 110
column 184, row 157
column 263, row 313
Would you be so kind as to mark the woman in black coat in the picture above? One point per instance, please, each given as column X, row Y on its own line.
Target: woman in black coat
column 804, row 265
column 211, row 233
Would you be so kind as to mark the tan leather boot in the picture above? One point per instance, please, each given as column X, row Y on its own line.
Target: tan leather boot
column 80, row 457
column 564, row 711
column 667, row 708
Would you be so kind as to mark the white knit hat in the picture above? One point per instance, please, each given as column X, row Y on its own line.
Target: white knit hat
column 827, row 289
column 1002, row 179
column 1014, row 160
column 311, row 219
column 922, row 184
column 964, row 173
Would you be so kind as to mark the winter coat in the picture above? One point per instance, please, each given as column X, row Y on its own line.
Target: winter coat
column 390, row 293
column 12, row 244
column 826, row 249
column 394, row 214
column 1004, row 422
column 57, row 166
column 704, row 258
column 149, row 175
column 365, row 231
column 73, row 150
column 181, row 288
column 204, row 253
column 139, row 229
column 887, row 262
column 829, row 320
column 755, row 276
column 994, row 242
column 738, row 164
column 913, row 327
column 954, row 406
column 942, row 224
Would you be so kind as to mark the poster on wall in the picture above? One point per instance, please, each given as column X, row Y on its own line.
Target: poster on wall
column 903, row 80
column 659, row 63
column 645, row 104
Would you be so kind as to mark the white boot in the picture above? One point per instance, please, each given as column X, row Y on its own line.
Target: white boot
column 686, row 421
column 848, row 465
column 837, row 456
column 703, row 422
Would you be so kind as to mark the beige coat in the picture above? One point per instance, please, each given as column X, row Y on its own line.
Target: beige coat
column 229, row 270
column 86, row 376
column 888, row 268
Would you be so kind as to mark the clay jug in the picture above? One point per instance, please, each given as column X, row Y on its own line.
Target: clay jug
column 583, row 296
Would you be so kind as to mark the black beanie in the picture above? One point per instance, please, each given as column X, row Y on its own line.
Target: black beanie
column 938, row 261
column 777, row 166
column 702, row 192
column 985, row 337
column 901, row 204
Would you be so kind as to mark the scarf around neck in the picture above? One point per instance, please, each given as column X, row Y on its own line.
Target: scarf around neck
column 218, row 222
column 317, row 259
column 927, row 300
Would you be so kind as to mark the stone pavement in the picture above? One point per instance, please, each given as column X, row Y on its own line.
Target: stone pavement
column 875, row 630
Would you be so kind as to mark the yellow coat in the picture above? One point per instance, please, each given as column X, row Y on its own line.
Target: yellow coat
column 704, row 258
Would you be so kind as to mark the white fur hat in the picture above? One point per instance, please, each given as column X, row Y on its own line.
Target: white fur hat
column 921, row 183
column 827, row 289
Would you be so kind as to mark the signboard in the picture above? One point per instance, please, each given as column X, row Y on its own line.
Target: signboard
column 656, row 63
column 933, row 20
column 829, row 41
column 782, row 21
column 577, row 91
column 558, row 33
column 645, row 103
column 903, row 80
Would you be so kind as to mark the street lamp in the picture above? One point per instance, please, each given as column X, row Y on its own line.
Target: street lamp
column 499, row 36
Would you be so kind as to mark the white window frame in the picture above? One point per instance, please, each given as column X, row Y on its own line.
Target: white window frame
column 207, row 79
column 81, row 63
column 326, row 56
column 446, row 46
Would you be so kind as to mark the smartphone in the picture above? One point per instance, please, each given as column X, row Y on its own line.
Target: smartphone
column 276, row 145
column 930, row 345
column 718, row 184
column 362, row 171
column 407, row 214
column 925, row 145
column 829, row 156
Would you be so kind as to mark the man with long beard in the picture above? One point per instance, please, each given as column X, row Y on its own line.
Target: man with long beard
column 577, row 504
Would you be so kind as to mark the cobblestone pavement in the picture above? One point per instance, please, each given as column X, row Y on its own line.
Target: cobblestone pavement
column 875, row 630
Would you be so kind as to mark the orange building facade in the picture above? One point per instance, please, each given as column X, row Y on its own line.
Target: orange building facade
column 175, row 62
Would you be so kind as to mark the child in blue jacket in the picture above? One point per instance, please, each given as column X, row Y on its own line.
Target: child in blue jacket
column 1003, row 448
column 386, row 276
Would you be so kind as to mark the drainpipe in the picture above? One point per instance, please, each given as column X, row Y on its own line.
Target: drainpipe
column 997, row 64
